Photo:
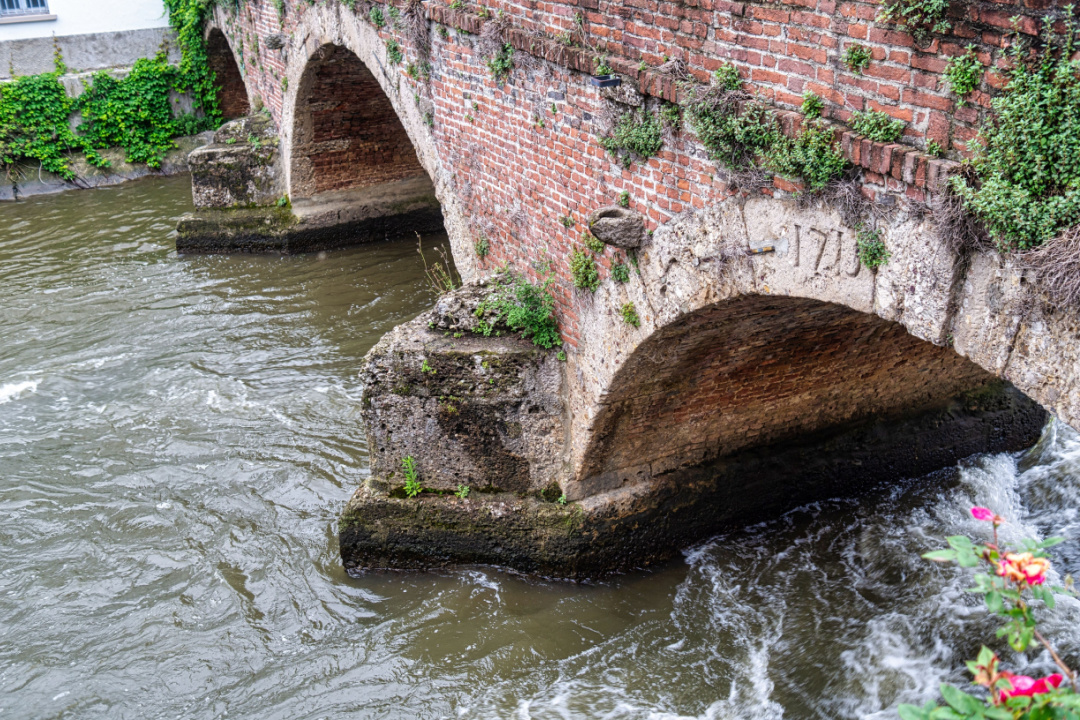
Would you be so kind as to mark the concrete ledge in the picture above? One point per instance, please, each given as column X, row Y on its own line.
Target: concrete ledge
column 324, row 222
column 26, row 19
column 83, row 53
column 28, row 181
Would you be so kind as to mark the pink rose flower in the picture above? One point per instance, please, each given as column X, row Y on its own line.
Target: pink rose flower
column 1024, row 686
column 981, row 513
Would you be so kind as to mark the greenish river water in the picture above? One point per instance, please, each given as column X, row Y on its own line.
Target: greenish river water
column 178, row 434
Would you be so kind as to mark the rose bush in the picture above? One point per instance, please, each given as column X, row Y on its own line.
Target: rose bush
column 1018, row 581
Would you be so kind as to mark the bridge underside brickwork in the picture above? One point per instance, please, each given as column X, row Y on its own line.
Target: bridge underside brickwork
column 768, row 365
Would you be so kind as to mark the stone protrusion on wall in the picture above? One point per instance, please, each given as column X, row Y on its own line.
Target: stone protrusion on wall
column 618, row 226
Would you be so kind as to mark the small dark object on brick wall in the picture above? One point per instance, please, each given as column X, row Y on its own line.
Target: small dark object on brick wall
column 605, row 81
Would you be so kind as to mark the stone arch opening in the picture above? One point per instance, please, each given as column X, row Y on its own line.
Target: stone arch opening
column 346, row 134
column 760, row 403
column 232, row 93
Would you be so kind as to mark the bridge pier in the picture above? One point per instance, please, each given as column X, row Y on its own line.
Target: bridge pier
column 345, row 174
column 748, row 409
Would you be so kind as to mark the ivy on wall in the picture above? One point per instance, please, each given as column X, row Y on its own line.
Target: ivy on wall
column 133, row 112
column 35, row 114
column 1026, row 167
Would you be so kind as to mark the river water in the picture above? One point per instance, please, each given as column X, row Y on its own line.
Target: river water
column 178, row 434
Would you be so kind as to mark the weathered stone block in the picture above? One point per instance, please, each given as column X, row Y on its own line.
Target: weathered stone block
column 241, row 168
column 480, row 411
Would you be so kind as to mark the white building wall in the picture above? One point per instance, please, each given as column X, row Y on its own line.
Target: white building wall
column 80, row 17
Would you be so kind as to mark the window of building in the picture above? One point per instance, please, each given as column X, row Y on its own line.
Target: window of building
column 13, row 8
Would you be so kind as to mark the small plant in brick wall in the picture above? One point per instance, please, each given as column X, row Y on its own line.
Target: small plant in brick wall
column 919, row 17
column 638, row 134
column 963, row 74
column 812, row 105
column 877, row 125
column 393, row 51
column 482, row 246
column 583, row 270
column 501, row 63
column 857, row 58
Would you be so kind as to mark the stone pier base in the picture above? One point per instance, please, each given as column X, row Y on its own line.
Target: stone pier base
column 489, row 413
column 238, row 187
column 324, row 222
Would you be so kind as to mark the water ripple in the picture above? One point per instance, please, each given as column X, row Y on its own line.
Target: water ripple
column 177, row 436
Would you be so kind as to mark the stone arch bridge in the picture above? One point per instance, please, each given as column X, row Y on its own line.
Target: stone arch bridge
column 749, row 363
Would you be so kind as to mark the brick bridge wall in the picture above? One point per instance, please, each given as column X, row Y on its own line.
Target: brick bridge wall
column 232, row 95
column 520, row 156
column 510, row 162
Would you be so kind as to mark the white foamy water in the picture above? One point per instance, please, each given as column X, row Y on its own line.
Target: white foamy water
column 13, row 390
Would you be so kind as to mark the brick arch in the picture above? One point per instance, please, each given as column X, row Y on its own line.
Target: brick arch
column 741, row 272
column 232, row 93
column 346, row 133
column 761, row 372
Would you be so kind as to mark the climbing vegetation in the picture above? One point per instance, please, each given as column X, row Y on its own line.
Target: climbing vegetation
column 635, row 134
column 501, row 63
column 482, row 246
column 812, row 105
column 877, row 125
column 1026, row 168
column 629, row 314
column 742, row 134
column 524, row 307
column 964, row 73
column 735, row 133
column 671, row 114
column 132, row 112
column 919, row 17
column 583, row 270
column 812, row 156
column 871, row 248
column 34, row 124
column 857, row 58
column 727, row 77
column 393, row 51
column 187, row 18
column 593, row 243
